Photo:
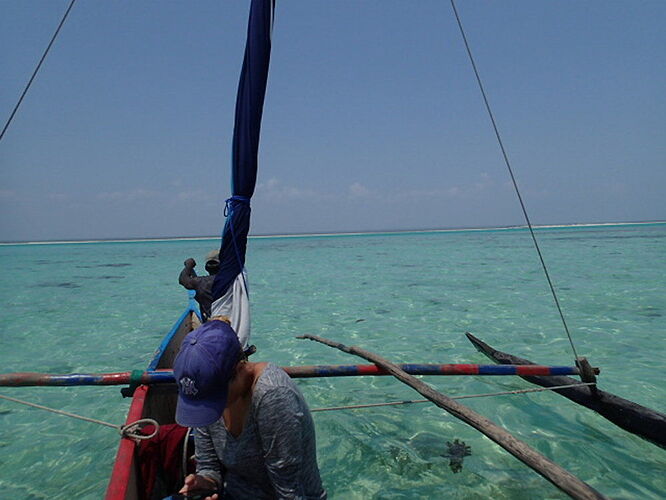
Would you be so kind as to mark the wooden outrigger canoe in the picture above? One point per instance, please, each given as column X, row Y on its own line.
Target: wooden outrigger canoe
column 157, row 402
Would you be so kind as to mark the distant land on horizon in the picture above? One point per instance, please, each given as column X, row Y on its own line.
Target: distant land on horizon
column 339, row 233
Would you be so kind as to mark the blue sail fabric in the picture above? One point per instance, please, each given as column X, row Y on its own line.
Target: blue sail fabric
column 247, row 125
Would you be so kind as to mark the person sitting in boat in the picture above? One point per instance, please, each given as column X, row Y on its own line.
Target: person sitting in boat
column 254, row 436
column 202, row 285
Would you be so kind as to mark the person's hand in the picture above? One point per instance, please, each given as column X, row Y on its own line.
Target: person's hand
column 190, row 262
column 194, row 483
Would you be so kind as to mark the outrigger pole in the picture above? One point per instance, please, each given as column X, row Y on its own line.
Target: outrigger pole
column 26, row 379
column 561, row 478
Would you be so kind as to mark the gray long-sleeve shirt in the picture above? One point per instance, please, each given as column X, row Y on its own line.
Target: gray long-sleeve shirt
column 275, row 454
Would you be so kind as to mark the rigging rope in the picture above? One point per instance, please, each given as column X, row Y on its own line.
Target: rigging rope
column 129, row 430
column 25, row 90
column 228, row 208
column 513, row 179
column 488, row 394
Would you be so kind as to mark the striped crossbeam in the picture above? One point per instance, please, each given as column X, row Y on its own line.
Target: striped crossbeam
column 429, row 369
column 166, row 376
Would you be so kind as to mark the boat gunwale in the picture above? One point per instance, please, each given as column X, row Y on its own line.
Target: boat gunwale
column 125, row 461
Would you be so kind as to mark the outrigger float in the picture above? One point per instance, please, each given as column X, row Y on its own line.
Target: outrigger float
column 632, row 417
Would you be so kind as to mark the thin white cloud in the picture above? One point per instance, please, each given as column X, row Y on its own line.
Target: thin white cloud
column 275, row 190
column 417, row 194
column 8, row 195
column 482, row 184
column 358, row 190
column 128, row 196
column 614, row 187
column 194, row 195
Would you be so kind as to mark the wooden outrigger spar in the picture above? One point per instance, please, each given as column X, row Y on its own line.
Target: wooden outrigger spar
column 644, row 422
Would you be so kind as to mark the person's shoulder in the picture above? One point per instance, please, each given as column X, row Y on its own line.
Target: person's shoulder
column 274, row 371
column 273, row 378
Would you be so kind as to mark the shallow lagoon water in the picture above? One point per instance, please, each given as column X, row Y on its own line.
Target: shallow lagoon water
column 105, row 306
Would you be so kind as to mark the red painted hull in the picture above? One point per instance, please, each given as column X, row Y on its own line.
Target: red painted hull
column 123, row 478
column 158, row 403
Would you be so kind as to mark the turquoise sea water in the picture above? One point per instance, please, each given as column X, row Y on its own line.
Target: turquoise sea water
column 410, row 297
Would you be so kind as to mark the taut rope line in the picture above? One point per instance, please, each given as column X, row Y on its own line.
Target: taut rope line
column 25, row 90
column 128, row 431
column 487, row 394
column 513, row 179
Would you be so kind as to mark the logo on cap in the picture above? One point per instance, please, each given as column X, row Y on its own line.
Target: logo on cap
column 188, row 386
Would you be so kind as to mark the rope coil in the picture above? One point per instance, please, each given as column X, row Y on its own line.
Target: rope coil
column 133, row 430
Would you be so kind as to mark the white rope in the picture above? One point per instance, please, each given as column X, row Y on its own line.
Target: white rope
column 393, row 403
column 184, row 458
column 129, row 430
column 132, row 430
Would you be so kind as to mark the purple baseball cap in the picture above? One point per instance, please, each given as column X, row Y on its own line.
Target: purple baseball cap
column 202, row 370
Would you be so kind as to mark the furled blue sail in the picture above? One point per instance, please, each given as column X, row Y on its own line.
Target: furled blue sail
column 230, row 280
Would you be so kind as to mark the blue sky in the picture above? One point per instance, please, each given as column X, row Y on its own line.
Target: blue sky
column 372, row 121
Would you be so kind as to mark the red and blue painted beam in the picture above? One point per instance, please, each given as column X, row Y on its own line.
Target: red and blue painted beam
column 166, row 376
column 429, row 369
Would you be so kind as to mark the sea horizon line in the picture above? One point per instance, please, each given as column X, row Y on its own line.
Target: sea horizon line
column 333, row 234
